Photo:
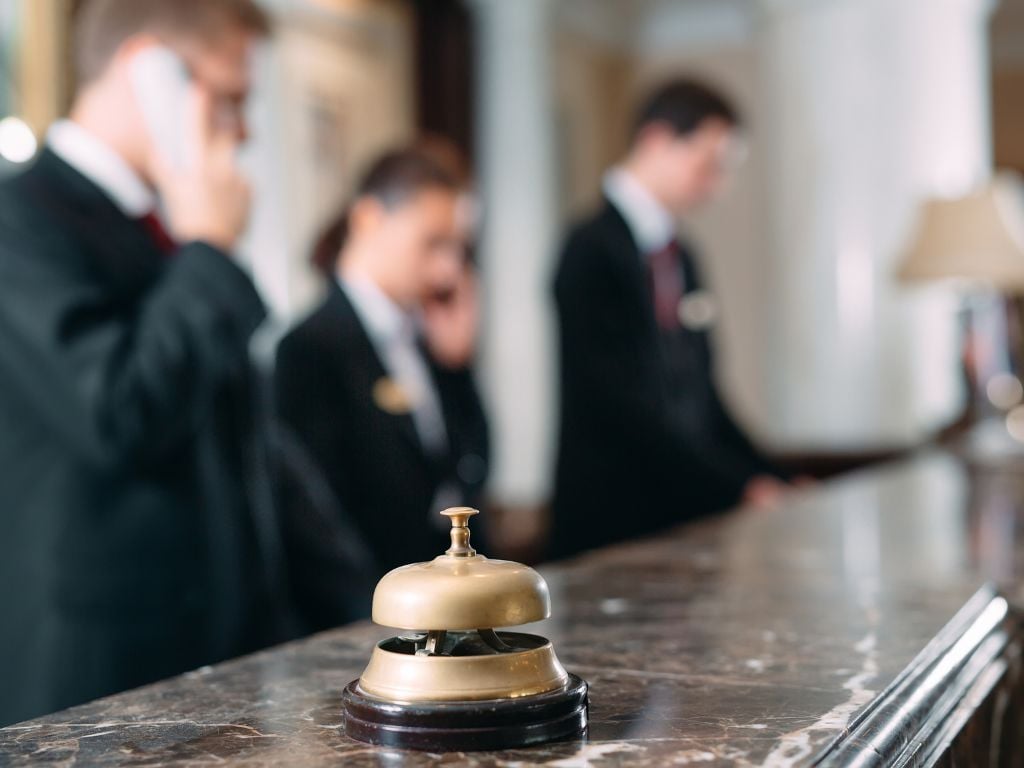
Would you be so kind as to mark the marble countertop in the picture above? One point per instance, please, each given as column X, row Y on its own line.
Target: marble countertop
column 781, row 638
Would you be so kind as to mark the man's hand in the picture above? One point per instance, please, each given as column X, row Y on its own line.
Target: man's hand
column 208, row 199
column 451, row 324
column 764, row 491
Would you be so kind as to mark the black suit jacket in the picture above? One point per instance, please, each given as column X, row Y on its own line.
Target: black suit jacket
column 373, row 460
column 645, row 440
column 126, row 551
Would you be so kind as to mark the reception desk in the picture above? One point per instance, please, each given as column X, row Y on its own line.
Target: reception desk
column 867, row 622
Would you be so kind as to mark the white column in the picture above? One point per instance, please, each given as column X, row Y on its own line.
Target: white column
column 518, row 181
column 869, row 106
column 333, row 89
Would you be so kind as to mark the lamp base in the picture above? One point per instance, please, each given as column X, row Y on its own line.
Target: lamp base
column 471, row 725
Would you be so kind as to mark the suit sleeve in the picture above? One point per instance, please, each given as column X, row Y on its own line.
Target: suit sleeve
column 623, row 379
column 731, row 445
column 303, row 392
column 748, row 459
column 331, row 567
column 469, row 429
column 125, row 383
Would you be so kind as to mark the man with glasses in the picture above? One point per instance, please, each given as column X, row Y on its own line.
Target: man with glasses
column 645, row 439
column 127, row 548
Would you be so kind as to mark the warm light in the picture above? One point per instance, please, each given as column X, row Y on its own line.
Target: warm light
column 17, row 142
column 1004, row 391
column 1015, row 423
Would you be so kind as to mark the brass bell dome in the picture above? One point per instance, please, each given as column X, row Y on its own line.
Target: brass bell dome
column 461, row 590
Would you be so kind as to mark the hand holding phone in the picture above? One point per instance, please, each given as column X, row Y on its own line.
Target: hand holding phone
column 451, row 323
column 194, row 164
column 160, row 81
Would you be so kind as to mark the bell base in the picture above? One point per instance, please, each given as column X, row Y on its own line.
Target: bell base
column 468, row 726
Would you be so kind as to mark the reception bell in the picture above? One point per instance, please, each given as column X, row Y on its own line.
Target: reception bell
column 454, row 679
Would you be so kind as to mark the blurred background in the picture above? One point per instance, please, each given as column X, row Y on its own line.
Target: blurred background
column 858, row 111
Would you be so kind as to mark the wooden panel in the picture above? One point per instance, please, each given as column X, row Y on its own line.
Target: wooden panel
column 44, row 65
column 1008, row 117
column 446, row 72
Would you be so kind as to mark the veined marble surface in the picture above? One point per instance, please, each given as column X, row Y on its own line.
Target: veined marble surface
column 755, row 638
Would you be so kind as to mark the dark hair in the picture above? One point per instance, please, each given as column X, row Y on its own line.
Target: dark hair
column 328, row 245
column 393, row 180
column 102, row 26
column 400, row 175
column 683, row 105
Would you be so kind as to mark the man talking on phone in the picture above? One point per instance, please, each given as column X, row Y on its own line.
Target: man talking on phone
column 127, row 551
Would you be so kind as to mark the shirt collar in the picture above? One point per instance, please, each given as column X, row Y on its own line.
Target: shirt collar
column 103, row 167
column 384, row 320
column 653, row 227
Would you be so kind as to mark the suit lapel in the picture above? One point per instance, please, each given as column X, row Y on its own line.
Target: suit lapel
column 373, row 382
column 631, row 260
column 120, row 249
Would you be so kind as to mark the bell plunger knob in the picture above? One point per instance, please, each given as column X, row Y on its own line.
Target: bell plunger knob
column 460, row 531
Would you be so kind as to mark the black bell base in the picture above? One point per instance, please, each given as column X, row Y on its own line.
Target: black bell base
column 471, row 725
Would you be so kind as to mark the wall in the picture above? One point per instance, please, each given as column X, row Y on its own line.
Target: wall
column 336, row 89
column 593, row 98
column 8, row 40
column 8, row 28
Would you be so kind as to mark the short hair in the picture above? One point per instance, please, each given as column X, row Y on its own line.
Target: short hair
column 449, row 156
column 102, row 26
column 393, row 180
column 683, row 105
column 329, row 243
column 400, row 175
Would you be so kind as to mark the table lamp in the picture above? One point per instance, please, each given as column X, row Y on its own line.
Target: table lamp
column 978, row 239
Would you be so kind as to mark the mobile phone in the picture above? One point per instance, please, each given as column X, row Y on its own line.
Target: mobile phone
column 160, row 80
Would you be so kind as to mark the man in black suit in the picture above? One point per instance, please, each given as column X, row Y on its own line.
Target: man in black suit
column 126, row 545
column 377, row 382
column 645, row 438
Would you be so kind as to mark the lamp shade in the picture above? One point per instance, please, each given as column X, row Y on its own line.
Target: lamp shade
column 977, row 237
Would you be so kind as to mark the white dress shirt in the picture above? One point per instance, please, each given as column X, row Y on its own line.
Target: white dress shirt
column 103, row 167
column 653, row 226
column 392, row 332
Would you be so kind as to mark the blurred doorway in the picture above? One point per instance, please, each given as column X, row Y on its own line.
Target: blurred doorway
column 1007, row 32
column 445, row 72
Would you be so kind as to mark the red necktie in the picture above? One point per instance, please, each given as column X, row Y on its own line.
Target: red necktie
column 155, row 228
column 666, row 285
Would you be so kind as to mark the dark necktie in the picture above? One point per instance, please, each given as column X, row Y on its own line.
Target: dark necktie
column 666, row 285
column 152, row 224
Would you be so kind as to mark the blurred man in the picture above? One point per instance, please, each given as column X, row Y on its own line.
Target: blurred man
column 126, row 552
column 645, row 439
column 377, row 382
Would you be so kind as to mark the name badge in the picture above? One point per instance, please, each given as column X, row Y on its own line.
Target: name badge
column 698, row 311
column 391, row 397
